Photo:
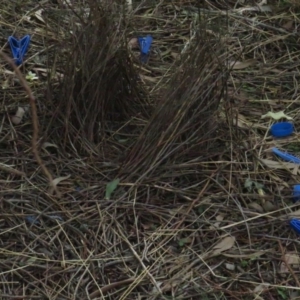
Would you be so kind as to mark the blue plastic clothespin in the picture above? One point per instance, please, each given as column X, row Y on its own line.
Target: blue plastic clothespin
column 295, row 224
column 145, row 45
column 286, row 156
column 19, row 47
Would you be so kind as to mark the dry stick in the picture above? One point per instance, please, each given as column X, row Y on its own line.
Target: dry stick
column 111, row 286
column 288, row 265
column 34, row 121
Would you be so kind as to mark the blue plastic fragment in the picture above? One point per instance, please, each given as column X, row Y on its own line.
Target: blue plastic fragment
column 282, row 129
column 295, row 224
column 296, row 193
column 145, row 45
column 32, row 220
column 286, row 156
column 56, row 218
column 19, row 47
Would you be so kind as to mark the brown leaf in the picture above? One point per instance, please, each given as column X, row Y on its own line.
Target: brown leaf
column 288, row 25
column 294, row 214
column 17, row 118
column 219, row 218
column 280, row 165
column 292, row 259
column 133, row 43
column 55, row 182
column 239, row 65
column 256, row 207
column 225, row 244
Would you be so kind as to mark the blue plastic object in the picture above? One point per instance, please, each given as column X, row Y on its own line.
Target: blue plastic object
column 282, row 129
column 32, row 220
column 296, row 193
column 286, row 156
column 295, row 224
column 145, row 45
column 56, row 218
column 19, row 48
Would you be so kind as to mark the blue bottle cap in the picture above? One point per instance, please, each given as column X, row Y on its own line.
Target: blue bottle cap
column 296, row 193
column 295, row 224
column 282, row 129
column 19, row 48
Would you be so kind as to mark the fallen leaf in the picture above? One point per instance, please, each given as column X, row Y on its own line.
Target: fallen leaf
column 17, row 118
column 256, row 207
column 31, row 76
column 279, row 165
column 295, row 214
column 261, row 287
column 133, row 43
column 230, row 267
column 253, row 255
column 46, row 145
column 175, row 55
column 269, row 206
column 219, row 218
column 265, row 8
column 151, row 79
column 184, row 241
column 9, row 169
column 242, row 122
column 110, row 187
column 38, row 15
column 226, row 244
column 288, row 25
column 249, row 185
column 5, row 84
column 239, row 65
column 276, row 116
column 55, row 182
column 263, row 2
column 129, row 4
column 158, row 285
column 292, row 259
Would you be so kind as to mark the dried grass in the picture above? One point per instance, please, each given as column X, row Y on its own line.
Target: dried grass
column 184, row 139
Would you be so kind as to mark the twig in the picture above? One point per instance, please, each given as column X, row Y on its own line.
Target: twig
column 11, row 170
column 34, row 122
column 111, row 286
column 288, row 266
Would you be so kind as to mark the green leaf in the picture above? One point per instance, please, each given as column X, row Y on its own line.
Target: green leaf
column 244, row 263
column 282, row 293
column 277, row 115
column 184, row 241
column 249, row 185
column 110, row 187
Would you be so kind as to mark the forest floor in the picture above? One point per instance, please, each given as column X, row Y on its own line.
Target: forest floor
column 123, row 179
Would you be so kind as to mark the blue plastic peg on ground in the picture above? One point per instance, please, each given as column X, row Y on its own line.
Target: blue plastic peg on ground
column 145, row 45
column 296, row 193
column 295, row 224
column 286, row 156
column 19, row 48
